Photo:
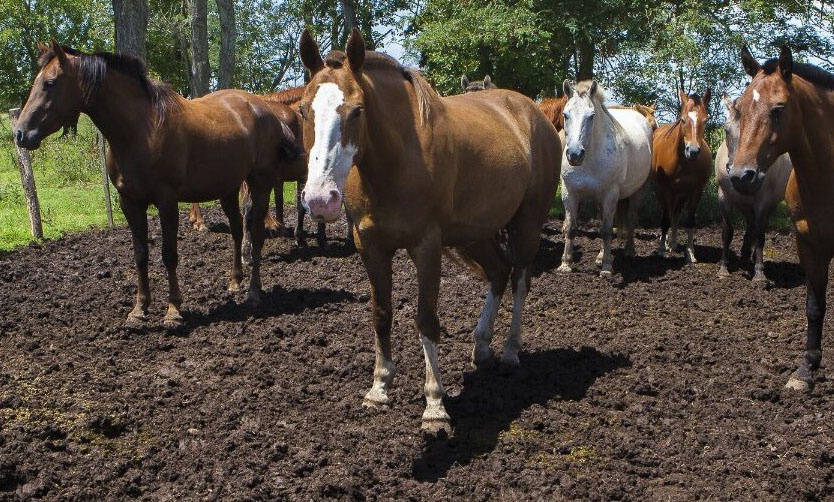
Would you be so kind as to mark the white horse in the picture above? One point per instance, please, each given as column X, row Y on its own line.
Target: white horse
column 607, row 157
column 757, row 207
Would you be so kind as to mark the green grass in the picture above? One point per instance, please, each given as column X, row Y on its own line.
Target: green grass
column 68, row 179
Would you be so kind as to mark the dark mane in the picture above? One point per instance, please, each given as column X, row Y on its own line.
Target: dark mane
column 94, row 67
column 809, row 72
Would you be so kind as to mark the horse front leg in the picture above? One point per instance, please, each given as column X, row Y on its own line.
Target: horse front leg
column 759, row 228
column 231, row 208
column 569, row 229
column 257, row 235
column 300, row 237
column 427, row 259
column 665, row 208
column 378, row 267
column 634, row 204
column 726, row 236
column 691, row 206
column 170, row 221
column 815, row 264
column 609, row 208
column 136, row 215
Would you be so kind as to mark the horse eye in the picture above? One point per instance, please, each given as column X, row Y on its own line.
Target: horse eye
column 302, row 110
column 776, row 112
column 355, row 112
column 49, row 83
column 566, row 115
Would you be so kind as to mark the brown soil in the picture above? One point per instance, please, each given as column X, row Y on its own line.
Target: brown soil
column 664, row 383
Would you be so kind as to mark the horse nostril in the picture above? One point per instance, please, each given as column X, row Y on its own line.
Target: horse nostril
column 334, row 194
column 748, row 176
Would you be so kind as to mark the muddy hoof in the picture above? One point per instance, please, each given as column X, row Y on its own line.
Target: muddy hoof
column 798, row 384
column 509, row 362
column 564, row 268
column 606, row 274
column 136, row 319
column 173, row 321
column 375, row 402
column 437, row 427
column 723, row 273
column 253, row 298
column 201, row 227
column 760, row 280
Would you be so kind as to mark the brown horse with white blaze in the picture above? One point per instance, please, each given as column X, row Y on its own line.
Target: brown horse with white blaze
column 427, row 174
column 163, row 149
column 681, row 167
column 788, row 107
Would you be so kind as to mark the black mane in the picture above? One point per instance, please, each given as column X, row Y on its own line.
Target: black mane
column 94, row 67
column 809, row 72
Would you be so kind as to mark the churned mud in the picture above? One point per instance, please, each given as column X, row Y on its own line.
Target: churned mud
column 664, row 383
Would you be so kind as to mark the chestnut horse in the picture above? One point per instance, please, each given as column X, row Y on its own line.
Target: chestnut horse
column 428, row 173
column 553, row 109
column 681, row 167
column 297, row 171
column 756, row 207
column 163, row 149
column 788, row 107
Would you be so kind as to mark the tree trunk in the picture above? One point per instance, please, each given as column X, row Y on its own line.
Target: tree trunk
column 131, row 18
column 585, row 65
column 349, row 15
column 200, row 69
column 228, row 34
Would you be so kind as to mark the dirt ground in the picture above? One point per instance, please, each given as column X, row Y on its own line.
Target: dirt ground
column 665, row 383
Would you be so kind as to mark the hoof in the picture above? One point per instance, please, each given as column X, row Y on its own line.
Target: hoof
column 483, row 358
column 201, row 227
column 437, row 427
column 798, row 385
column 564, row 268
column 606, row 274
column 759, row 279
column 253, row 298
column 234, row 287
column 510, row 361
column 136, row 321
column 375, row 401
column 723, row 273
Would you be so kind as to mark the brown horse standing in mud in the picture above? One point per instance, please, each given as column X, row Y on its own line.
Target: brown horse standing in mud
column 789, row 108
column 163, row 149
column 681, row 167
column 428, row 174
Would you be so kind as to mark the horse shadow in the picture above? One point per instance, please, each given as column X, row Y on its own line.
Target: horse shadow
column 274, row 303
column 491, row 400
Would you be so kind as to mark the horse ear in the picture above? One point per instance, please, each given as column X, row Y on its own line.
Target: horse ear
column 355, row 50
column 464, row 81
column 682, row 96
column 728, row 103
column 751, row 66
column 309, row 51
column 707, row 96
column 786, row 63
column 487, row 81
column 42, row 47
column 567, row 88
column 59, row 53
column 593, row 87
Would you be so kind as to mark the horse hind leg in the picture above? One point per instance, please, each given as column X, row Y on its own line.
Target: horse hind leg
column 257, row 232
column 726, row 236
column 230, row 207
column 692, row 206
column 569, row 229
column 169, row 220
column 759, row 228
column 195, row 217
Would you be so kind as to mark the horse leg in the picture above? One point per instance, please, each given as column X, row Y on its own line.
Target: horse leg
column 230, row 206
column 726, row 236
column 349, row 237
column 749, row 233
column 815, row 264
column 634, row 203
column 276, row 225
column 487, row 255
column 691, row 206
column 378, row 266
column 170, row 222
column 321, row 235
column 246, row 239
column 255, row 225
column 300, row 237
column 664, row 221
column 137, row 219
column 195, row 217
column 609, row 207
column 427, row 259
column 675, row 213
column 760, row 226
column 571, row 204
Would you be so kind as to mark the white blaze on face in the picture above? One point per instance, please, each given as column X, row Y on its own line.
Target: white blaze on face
column 329, row 161
column 756, row 96
column 693, row 118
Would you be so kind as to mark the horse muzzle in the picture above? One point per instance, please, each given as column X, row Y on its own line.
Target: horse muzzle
column 324, row 206
column 691, row 152
column 746, row 180
column 29, row 140
column 575, row 156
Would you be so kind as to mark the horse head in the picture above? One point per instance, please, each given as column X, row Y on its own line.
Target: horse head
column 767, row 116
column 335, row 129
column 476, row 85
column 693, row 120
column 579, row 113
column 731, row 127
column 55, row 99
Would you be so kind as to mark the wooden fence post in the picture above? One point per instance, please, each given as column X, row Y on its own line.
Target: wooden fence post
column 27, row 178
column 105, row 178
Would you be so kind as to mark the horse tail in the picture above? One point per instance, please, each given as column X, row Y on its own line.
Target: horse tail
column 289, row 149
column 459, row 256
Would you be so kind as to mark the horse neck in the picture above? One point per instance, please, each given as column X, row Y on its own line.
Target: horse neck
column 122, row 111
column 812, row 150
column 605, row 122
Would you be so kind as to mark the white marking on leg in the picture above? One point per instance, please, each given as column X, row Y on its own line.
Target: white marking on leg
column 486, row 328
column 513, row 343
column 690, row 246
column 435, row 412
column 384, row 371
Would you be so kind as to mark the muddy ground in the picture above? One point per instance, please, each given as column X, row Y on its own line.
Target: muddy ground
column 665, row 383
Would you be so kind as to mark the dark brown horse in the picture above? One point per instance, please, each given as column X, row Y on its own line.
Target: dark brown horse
column 681, row 167
column 163, row 149
column 296, row 171
column 427, row 174
column 789, row 108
